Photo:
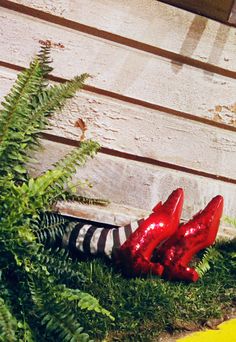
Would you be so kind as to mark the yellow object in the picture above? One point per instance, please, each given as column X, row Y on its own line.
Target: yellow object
column 226, row 332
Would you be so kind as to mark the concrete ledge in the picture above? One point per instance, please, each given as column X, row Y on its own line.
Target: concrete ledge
column 117, row 214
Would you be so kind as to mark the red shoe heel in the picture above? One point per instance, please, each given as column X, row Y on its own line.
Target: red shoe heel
column 190, row 238
column 135, row 254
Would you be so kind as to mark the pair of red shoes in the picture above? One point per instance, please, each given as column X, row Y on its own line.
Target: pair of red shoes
column 174, row 243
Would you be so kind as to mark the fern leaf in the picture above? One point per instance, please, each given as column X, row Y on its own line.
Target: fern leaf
column 47, row 102
column 60, row 265
column 49, row 227
column 70, row 196
column 26, row 332
column 210, row 255
column 85, row 300
column 45, row 60
column 77, row 157
column 88, row 302
column 14, row 115
column 56, row 314
column 55, row 180
column 8, row 324
column 25, row 86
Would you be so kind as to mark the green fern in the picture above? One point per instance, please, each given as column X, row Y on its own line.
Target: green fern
column 59, row 264
column 66, row 167
column 45, row 60
column 27, row 110
column 71, row 196
column 210, row 256
column 17, row 102
column 48, row 227
column 8, row 324
column 55, row 314
column 34, row 279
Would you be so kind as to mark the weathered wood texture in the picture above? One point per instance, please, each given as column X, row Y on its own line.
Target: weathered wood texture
column 113, row 213
column 132, row 73
column 137, row 184
column 150, row 22
column 141, row 103
column 144, row 132
column 119, row 215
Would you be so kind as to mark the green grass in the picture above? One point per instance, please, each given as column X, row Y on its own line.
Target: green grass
column 145, row 308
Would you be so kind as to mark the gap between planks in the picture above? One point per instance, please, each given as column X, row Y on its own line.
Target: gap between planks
column 130, row 156
column 116, row 38
column 131, row 100
column 141, row 159
column 134, row 74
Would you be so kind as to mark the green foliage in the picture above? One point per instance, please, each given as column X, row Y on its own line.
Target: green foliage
column 7, row 323
column 210, row 256
column 37, row 303
column 145, row 308
column 230, row 220
column 85, row 200
column 44, row 294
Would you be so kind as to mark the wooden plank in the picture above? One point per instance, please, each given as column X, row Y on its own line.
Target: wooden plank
column 119, row 215
column 152, row 23
column 144, row 132
column 150, row 133
column 132, row 73
column 216, row 9
column 113, row 213
column 138, row 184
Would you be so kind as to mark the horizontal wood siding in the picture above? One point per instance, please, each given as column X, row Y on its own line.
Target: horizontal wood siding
column 150, row 22
column 136, row 184
column 161, row 100
column 145, row 133
column 132, row 73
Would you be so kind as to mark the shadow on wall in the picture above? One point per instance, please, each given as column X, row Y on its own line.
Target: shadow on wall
column 193, row 37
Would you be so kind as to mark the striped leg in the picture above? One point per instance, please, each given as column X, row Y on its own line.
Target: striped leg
column 91, row 239
column 132, row 245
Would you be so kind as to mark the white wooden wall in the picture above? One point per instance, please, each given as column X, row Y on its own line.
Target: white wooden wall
column 162, row 100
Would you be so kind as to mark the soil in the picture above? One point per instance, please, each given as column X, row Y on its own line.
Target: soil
column 211, row 324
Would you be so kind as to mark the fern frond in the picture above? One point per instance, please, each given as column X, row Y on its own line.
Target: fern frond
column 27, row 110
column 65, row 168
column 47, row 102
column 70, row 196
column 77, row 157
column 20, row 94
column 56, row 314
column 49, row 227
column 45, row 60
column 85, row 300
column 14, row 116
column 209, row 256
column 61, row 266
column 26, row 332
column 8, row 324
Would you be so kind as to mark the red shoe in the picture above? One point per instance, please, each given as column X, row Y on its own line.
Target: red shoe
column 190, row 238
column 135, row 254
